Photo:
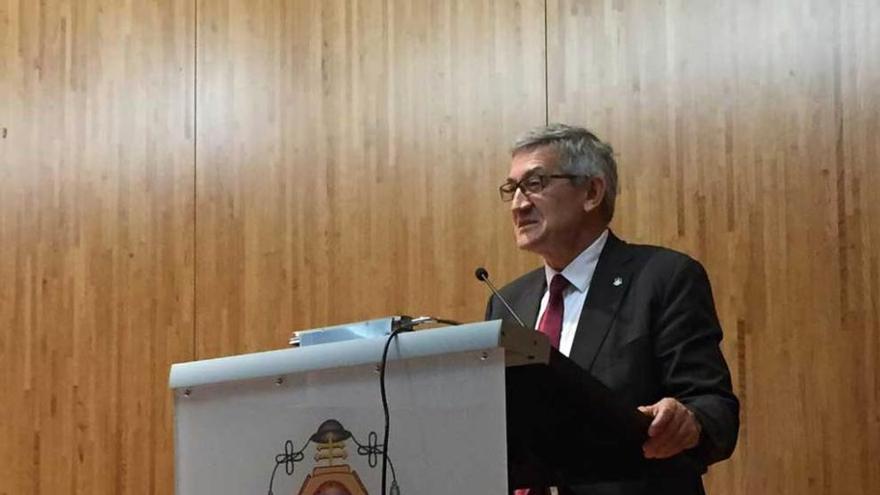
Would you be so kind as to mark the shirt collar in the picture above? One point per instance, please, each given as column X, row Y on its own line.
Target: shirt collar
column 580, row 270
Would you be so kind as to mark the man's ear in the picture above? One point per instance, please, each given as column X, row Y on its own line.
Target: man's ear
column 595, row 193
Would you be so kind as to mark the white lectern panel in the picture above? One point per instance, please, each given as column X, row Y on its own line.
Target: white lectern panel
column 448, row 432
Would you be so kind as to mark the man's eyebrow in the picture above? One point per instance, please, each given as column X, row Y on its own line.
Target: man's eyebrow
column 533, row 171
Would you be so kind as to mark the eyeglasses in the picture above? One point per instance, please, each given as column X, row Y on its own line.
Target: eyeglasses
column 534, row 183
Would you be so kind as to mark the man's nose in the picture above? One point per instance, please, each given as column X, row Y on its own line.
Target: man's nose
column 520, row 200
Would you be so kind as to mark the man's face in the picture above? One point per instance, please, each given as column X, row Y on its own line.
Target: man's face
column 549, row 221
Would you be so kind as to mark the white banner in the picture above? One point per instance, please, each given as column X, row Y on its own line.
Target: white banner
column 320, row 432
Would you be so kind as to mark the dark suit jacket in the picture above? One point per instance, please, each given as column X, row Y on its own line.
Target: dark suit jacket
column 648, row 330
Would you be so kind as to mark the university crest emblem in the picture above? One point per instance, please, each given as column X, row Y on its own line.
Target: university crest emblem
column 332, row 474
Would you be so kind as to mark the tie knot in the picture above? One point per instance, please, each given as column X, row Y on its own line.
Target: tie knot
column 558, row 284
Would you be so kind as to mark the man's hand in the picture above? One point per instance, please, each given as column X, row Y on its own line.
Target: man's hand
column 674, row 429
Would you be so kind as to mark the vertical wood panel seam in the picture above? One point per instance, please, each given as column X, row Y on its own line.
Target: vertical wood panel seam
column 195, row 316
column 840, row 171
column 742, row 378
column 546, row 69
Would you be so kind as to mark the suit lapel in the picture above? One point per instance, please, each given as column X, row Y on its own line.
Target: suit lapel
column 609, row 285
column 529, row 301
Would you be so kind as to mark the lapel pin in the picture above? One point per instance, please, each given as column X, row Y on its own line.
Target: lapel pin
column 618, row 281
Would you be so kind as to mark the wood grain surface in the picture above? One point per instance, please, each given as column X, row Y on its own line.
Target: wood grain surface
column 746, row 134
column 188, row 179
column 348, row 160
column 96, row 242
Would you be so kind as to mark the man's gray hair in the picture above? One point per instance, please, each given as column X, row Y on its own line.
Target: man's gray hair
column 580, row 152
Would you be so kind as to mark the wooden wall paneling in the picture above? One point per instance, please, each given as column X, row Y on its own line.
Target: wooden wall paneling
column 7, row 329
column 96, row 235
column 744, row 137
column 857, row 180
column 348, row 159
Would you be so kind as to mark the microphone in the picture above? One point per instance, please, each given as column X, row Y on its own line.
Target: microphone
column 483, row 276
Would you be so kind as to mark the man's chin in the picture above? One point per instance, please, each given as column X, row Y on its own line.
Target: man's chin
column 528, row 243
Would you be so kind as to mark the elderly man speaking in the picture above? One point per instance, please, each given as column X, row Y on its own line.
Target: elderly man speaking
column 639, row 318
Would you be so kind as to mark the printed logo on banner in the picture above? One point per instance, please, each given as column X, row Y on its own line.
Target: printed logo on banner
column 331, row 475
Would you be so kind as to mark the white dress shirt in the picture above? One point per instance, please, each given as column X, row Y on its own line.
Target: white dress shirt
column 579, row 273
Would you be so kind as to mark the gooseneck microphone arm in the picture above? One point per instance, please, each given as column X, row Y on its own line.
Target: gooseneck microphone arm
column 483, row 276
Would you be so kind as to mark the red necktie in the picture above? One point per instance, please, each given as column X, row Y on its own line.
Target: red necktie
column 551, row 326
column 551, row 321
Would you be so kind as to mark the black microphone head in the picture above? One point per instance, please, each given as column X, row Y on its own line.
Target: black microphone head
column 481, row 273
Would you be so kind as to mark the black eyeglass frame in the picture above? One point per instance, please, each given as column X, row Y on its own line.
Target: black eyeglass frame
column 508, row 189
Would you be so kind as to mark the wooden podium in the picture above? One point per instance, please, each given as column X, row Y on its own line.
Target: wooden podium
column 463, row 404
